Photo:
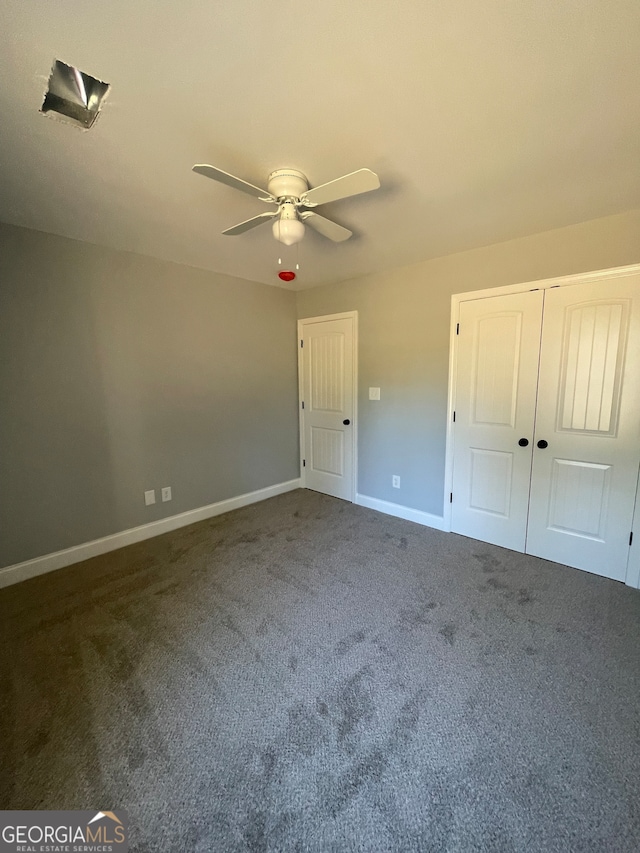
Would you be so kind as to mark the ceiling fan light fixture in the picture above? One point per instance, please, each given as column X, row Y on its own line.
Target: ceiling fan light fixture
column 287, row 228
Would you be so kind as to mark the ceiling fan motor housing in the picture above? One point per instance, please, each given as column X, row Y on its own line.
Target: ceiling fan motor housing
column 287, row 183
column 288, row 210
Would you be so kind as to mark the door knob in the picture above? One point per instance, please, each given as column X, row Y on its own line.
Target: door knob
column 523, row 442
column 542, row 444
column 346, row 421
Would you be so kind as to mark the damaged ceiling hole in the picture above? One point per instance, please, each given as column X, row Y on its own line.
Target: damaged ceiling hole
column 73, row 96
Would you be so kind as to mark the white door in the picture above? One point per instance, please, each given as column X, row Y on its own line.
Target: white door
column 569, row 494
column 327, row 404
column 497, row 374
column 585, row 460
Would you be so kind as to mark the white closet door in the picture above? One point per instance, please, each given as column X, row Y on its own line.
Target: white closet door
column 497, row 371
column 584, row 481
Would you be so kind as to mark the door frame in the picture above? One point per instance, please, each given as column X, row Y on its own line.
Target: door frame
column 633, row 570
column 308, row 321
column 633, row 566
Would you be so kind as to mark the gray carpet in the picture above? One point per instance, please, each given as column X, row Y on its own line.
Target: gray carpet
column 307, row 675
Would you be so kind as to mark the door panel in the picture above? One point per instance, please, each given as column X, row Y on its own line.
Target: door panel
column 495, row 359
column 592, row 365
column 583, row 483
column 327, row 451
column 327, row 361
column 497, row 369
column 579, row 498
column 491, row 478
column 326, row 350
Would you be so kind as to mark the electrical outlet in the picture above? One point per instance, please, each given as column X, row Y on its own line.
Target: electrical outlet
column 395, row 481
column 166, row 493
column 150, row 497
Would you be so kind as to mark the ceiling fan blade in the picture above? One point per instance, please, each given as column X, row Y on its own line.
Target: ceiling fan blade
column 355, row 183
column 231, row 181
column 248, row 224
column 326, row 227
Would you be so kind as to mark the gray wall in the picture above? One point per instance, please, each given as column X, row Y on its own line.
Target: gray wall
column 119, row 373
column 404, row 318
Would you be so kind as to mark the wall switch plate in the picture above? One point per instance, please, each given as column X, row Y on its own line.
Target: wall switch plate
column 374, row 393
column 150, row 497
column 395, row 481
column 166, row 493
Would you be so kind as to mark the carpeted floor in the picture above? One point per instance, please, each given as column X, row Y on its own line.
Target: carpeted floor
column 308, row 675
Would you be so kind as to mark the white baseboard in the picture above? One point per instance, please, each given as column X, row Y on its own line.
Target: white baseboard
column 424, row 518
column 58, row 560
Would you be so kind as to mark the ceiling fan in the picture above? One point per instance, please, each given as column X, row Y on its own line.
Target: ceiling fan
column 289, row 190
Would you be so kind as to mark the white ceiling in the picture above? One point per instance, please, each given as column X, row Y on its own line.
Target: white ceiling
column 484, row 120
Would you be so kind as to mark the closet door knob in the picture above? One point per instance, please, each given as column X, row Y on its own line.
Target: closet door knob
column 346, row 421
column 542, row 444
column 523, row 442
